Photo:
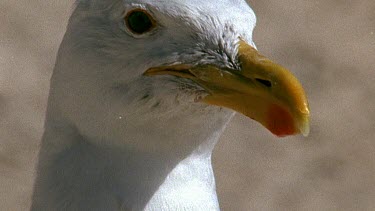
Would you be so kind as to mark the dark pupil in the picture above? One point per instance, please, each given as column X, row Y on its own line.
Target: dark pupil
column 139, row 22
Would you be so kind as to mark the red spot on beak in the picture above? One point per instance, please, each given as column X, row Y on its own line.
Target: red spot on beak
column 279, row 121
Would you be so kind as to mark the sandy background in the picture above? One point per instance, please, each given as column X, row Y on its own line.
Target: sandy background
column 329, row 44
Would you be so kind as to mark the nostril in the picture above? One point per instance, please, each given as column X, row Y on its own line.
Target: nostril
column 266, row 83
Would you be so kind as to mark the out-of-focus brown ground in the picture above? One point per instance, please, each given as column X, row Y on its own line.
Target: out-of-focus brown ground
column 328, row 44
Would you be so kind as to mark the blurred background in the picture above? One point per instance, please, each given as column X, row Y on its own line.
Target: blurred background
column 328, row 44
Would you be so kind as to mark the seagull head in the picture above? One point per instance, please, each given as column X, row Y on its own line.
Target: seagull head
column 124, row 64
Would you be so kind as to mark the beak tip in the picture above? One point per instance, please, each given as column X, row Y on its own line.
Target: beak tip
column 306, row 132
column 305, row 129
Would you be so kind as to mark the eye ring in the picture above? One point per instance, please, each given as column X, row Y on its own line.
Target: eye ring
column 139, row 22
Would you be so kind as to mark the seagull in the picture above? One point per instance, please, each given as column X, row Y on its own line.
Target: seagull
column 140, row 93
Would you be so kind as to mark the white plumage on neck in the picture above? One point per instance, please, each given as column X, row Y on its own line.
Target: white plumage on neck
column 189, row 186
column 79, row 175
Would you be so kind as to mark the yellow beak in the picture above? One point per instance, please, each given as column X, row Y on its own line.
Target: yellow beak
column 261, row 90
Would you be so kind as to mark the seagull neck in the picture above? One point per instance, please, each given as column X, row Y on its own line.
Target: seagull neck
column 91, row 177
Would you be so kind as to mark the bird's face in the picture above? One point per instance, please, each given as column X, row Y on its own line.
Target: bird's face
column 142, row 56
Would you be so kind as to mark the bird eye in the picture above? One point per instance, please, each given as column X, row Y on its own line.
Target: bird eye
column 139, row 21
